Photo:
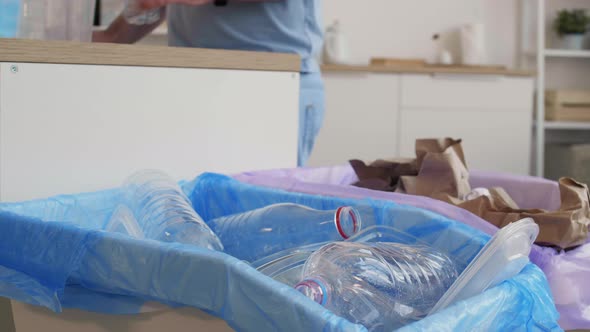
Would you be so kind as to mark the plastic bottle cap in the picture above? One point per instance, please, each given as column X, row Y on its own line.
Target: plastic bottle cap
column 348, row 221
column 313, row 289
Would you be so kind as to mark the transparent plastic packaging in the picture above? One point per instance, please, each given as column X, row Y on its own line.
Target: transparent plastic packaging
column 287, row 266
column 123, row 221
column 382, row 286
column 502, row 258
column 133, row 14
column 262, row 232
column 155, row 207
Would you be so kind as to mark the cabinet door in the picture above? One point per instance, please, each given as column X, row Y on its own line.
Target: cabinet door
column 361, row 120
column 72, row 128
column 493, row 141
column 493, row 116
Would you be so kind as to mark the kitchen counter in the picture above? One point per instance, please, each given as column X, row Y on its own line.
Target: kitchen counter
column 62, row 52
column 469, row 70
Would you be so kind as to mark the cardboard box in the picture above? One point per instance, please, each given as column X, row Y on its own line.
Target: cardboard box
column 567, row 105
column 31, row 318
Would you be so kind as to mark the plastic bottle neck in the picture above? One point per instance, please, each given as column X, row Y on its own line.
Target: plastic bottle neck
column 347, row 221
column 314, row 289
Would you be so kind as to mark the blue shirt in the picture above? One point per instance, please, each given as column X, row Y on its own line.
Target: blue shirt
column 284, row 26
column 9, row 15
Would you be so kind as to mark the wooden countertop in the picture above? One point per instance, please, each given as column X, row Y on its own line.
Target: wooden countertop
column 467, row 70
column 63, row 52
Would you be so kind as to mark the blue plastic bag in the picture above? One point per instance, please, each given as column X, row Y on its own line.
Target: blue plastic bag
column 53, row 253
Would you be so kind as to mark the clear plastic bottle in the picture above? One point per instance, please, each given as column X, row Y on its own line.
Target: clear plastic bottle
column 156, row 208
column 258, row 233
column 133, row 14
column 56, row 19
column 382, row 286
column 33, row 19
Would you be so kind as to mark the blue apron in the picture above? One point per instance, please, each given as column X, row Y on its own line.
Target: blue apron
column 9, row 15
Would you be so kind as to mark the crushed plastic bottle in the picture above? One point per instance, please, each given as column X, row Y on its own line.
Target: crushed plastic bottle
column 382, row 286
column 133, row 14
column 155, row 207
column 258, row 233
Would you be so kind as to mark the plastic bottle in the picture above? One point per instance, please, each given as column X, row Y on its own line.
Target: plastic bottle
column 336, row 45
column 382, row 286
column 33, row 19
column 56, row 19
column 123, row 221
column 258, row 233
column 133, row 14
column 155, row 207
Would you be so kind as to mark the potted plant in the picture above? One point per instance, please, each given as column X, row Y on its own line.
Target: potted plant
column 571, row 25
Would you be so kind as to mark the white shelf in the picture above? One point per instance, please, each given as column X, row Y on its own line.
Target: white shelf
column 565, row 125
column 567, row 53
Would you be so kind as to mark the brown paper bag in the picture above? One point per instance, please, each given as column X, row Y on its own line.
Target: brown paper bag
column 564, row 228
column 440, row 171
column 426, row 146
column 573, row 212
column 383, row 175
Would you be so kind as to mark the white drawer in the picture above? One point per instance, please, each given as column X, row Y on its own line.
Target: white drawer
column 467, row 91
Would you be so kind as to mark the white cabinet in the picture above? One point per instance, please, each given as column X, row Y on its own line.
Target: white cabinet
column 359, row 107
column 94, row 125
column 461, row 91
column 66, row 128
column 490, row 141
column 491, row 113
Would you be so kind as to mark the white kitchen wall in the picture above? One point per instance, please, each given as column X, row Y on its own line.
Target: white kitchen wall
column 402, row 28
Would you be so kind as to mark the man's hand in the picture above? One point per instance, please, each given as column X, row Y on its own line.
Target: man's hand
column 101, row 37
column 149, row 4
column 122, row 32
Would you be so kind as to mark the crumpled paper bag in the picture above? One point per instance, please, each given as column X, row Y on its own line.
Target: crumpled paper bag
column 440, row 171
column 564, row 228
column 382, row 174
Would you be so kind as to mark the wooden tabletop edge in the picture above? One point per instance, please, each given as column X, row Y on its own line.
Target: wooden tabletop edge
column 65, row 52
column 467, row 70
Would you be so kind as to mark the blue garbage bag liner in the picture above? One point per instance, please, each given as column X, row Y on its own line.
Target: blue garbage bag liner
column 174, row 274
column 211, row 190
column 54, row 253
